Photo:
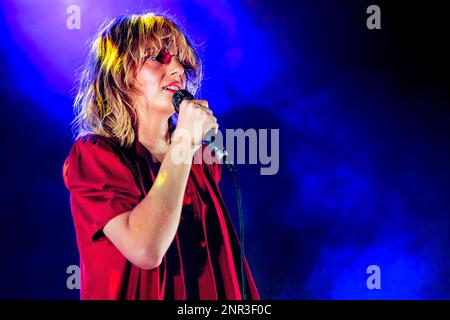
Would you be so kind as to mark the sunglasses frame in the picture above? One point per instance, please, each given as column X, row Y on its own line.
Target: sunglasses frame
column 163, row 58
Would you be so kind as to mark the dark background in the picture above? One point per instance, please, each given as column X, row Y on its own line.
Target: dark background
column 364, row 122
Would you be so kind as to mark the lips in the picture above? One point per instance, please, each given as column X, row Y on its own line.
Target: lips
column 174, row 86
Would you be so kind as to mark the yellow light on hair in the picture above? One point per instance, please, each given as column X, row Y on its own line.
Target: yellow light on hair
column 110, row 56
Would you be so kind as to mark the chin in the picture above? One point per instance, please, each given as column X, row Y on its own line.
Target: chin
column 169, row 110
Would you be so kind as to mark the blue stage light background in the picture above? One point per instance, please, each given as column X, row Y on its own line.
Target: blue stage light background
column 364, row 125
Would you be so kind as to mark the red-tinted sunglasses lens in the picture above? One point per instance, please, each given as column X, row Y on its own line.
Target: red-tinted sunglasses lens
column 163, row 57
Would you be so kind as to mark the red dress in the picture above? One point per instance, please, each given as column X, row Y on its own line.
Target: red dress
column 203, row 261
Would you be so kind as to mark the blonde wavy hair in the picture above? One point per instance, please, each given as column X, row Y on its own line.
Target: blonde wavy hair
column 103, row 103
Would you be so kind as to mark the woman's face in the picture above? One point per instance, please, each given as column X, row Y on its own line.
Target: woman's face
column 152, row 80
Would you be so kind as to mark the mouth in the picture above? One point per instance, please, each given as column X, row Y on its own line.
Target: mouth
column 171, row 89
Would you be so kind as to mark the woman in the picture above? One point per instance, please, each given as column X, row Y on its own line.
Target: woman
column 149, row 216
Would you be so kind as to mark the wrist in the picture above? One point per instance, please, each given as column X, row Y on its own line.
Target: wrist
column 182, row 149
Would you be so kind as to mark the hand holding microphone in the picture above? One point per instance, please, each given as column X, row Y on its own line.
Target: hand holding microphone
column 188, row 118
column 195, row 119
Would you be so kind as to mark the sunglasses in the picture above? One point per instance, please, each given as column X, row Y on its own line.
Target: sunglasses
column 164, row 57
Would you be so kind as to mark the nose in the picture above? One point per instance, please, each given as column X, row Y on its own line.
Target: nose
column 175, row 68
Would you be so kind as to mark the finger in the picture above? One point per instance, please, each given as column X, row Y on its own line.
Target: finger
column 197, row 103
column 206, row 109
column 203, row 103
column 214, row 125
column 211, row 123
column 216, row 129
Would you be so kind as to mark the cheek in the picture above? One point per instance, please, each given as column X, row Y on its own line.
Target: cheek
column 147, row 79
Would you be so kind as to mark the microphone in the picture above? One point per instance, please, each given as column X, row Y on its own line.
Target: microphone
column 219, row 152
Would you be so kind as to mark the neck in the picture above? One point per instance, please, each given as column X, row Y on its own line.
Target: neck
column 152, row 134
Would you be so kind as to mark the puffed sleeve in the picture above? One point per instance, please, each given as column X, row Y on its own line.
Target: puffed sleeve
column 101, row 186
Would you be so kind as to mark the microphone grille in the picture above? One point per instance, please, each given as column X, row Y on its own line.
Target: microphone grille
column 179, row 96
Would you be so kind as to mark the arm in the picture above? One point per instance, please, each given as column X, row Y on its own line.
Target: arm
column 144, row 234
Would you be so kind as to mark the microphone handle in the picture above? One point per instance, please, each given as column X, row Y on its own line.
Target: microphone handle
column 219, row 152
